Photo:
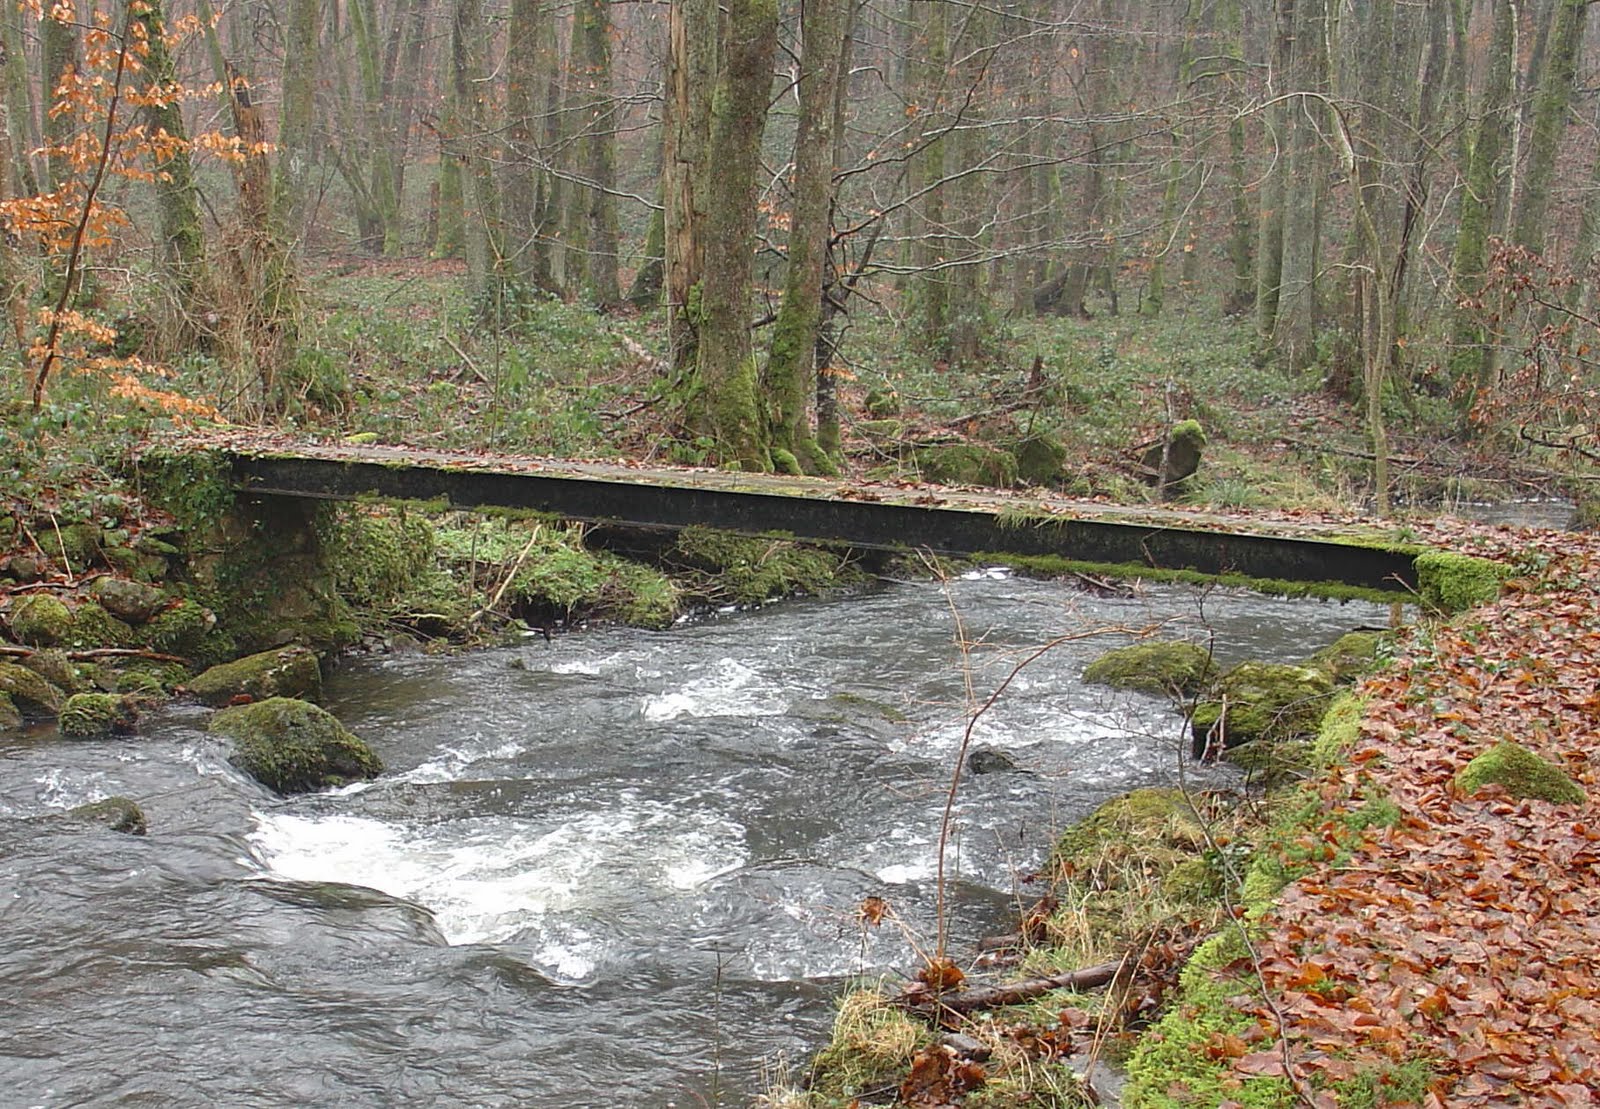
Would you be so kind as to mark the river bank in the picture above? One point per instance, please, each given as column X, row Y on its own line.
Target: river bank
column 1399, row 921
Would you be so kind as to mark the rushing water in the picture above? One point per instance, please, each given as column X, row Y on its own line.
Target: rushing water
column 620, row 869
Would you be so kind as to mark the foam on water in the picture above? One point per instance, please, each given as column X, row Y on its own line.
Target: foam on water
column 451, row 763
column 66, row 789
column 730, row 689
column 488, row 879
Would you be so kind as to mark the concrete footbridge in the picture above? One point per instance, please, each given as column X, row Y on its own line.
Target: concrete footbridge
column 884, row 516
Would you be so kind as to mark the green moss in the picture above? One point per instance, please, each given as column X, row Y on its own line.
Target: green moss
column 40, row 620
column 1353, row 655
column 1052, row 566
column 120, row 814
column 967, row 464
column 785, row 462
column 1173, row 1066
column 1040, row 459
column 194, row 486
column 93, row 626
column 10, row 716
column 1403, row 1083
column 1189, row 433
column 751, row 570
column 871, row 1046
column 75, row 545
column 1340, row 728
column 28, row 691
column 882, row 431
column 1520, row 773
column 1262, row 701
column 180, row 630
column 293, row 746
column 648, row 598
column 1454, row 583
column 377, row 555
column 95, row 715
column 1156, row 666
column 286, row 672
column 130, row 601
column 55, row 667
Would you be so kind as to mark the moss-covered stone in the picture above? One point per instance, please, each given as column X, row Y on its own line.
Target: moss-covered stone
column 93, row 626
column 28, row 691
column 1262, row 701
column 10, row 715
column 1339, row 730
column 882, row 403
column 75, row 545
column 120, row 814
column 94, row 715
column 130, row 601
column 147, row 677
column 1155, row 827
column 286, row 672
column 180, row 629
column 1040, row 459
column 1154, row 666
column 293, row 746
column 967, row 464
column 1454, row 582
column 1185, row 444
column 53, row 665
column 377, row 555
column 1352, row 656
column 40, row 620
column 882, row 431
column 1520, row 773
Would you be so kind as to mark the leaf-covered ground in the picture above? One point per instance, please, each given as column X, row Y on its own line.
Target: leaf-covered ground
column 1465, row 938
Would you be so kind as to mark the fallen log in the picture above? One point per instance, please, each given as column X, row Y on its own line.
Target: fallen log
column 921, row 998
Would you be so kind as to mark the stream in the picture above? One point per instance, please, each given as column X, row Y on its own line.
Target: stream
column 619, row 869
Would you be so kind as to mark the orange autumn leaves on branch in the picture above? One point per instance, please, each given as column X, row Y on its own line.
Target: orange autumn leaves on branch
column 70, row 219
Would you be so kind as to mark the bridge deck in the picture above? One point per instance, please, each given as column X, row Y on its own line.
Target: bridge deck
column 867, row 515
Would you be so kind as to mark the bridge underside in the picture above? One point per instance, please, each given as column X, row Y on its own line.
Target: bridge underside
column 945, row 523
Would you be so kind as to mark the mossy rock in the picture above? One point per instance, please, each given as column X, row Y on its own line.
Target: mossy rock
column 1040, row 459
column 293, row 746
column 130, row 601
column 93, row 626
column 1352, row 656
column 1262, row 701
column 1186, row 443
column 1154, row 830
column 76, row 545
column 147, row 677
column 120, row 814
column 1155, row 666
column 40, row 620
column 377, row 556
column 53, row 665
column 882, row 431
column 1521, row 773
column 180, row 629
column 882, row 403
column 1454, row 583
column 96, row 715
column 28, row 691
column 10, row 716
column 286, row 672
column 967, row 464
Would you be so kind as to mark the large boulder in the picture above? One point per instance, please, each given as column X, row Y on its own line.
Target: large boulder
column 130, row 601
column 286, row 672
column 1184, row 446
column 293, row 746
column 96, row 715
column 967, row 464
column 1155, row 666
column 1040, row 459
column 28, row 691
column 1522, row 774
column 1352, row 656
column 55, row 667
column 1262, row 701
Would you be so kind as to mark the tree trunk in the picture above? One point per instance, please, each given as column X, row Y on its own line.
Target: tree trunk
column 1550, row 120
column 1294, row 333
column 59, row 54
column 1274, row 189
column 725, row 390
column 692, row 70
column 177, row 199
column 791, row 363
column 525, row 252
column 13, row 284
column 482, row 208
column 599, row 152
column 296, row 154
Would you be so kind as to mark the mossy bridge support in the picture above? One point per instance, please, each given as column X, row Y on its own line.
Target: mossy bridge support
column 1064, row 534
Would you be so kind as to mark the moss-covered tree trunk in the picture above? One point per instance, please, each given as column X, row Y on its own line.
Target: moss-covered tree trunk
column 296, row 153
column 13, row 283
column 645, row 289
column 59, row 53
column 1294, row 334
column 599, row 152
column 482, row 213
column 791, row 362
column 692, row 68
column 403, row 56
column 1550, row 120
column 1274, row 189
column 177, row 198
column 1156, row 285
column 1478, row 204
column 929, row 287
column 22, row 96
column 725, row 393
column 520, row 194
